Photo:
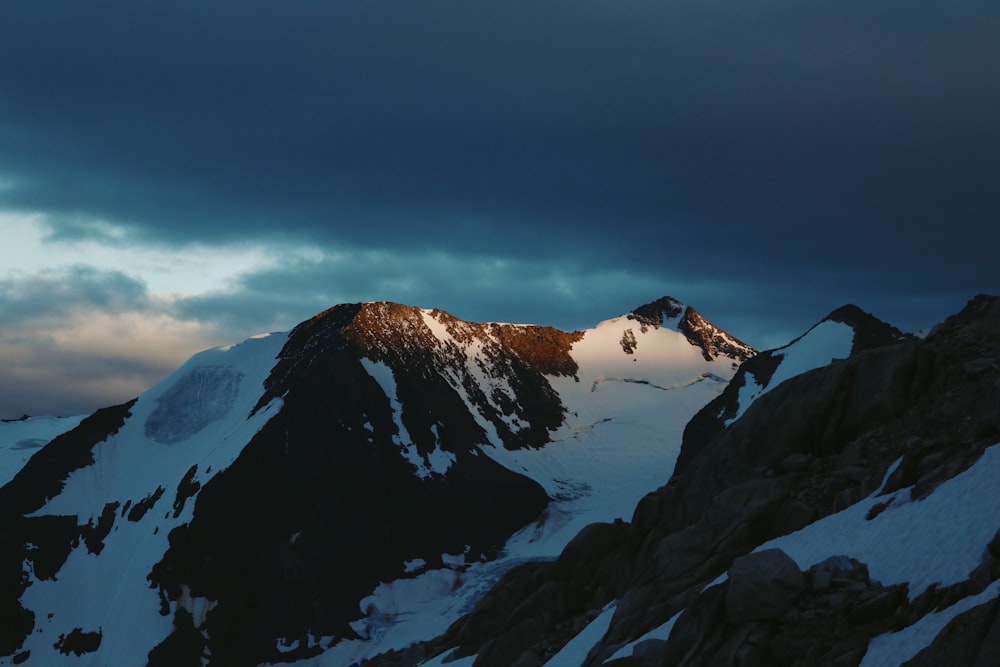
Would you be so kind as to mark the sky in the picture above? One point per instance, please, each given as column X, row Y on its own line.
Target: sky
column 177, row 175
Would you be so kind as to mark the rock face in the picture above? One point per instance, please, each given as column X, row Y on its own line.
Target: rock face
column 710, row 339
column 845, row 332
column 762, row 585
column 889, row 414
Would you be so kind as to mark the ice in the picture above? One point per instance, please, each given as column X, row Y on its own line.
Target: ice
column 196, row 399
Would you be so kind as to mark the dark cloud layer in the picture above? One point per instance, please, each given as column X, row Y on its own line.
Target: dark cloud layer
column 773, row 157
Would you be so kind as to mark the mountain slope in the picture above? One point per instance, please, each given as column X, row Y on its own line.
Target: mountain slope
column 846, row 518
column 305, row 495
column 844, row 332
column 21, row 438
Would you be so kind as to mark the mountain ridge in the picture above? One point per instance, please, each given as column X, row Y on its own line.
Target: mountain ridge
column 254, row 488
column 860, row 446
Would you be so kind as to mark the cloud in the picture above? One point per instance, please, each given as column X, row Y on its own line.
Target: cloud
column 555, row 162
column 53, row 294
column 82, row 338
column 575, row 131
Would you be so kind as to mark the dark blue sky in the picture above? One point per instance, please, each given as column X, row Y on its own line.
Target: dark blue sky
column 187, row 173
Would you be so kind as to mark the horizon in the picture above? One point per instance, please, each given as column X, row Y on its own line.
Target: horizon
column 170, row 371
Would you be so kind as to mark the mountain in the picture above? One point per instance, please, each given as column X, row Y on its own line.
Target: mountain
column 344, row 489
column 841, row 334
column 846, row 514
column 21, row 438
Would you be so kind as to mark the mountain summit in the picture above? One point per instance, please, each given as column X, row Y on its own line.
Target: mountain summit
column 713, row 341
column 321, row 493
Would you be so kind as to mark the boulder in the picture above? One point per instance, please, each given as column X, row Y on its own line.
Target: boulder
column 762, row 585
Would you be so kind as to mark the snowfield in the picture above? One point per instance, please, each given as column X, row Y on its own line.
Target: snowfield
column 20, row 439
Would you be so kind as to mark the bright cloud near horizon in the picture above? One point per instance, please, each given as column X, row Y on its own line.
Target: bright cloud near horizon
column 180, row 175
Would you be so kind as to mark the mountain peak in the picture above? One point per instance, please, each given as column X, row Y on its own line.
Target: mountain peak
column 713, row 341
column 656, row 313
column 869, row 331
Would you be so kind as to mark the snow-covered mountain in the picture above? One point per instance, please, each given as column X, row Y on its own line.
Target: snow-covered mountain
column 21, row 438
column 347, row 488
column 849, row 515
column 386, row 485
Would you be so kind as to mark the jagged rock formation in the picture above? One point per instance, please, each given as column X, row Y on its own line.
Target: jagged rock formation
column 860, row 331
column 710, row 339
column 897, row 416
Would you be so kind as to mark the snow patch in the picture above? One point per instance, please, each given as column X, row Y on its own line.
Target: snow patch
column 414, row 565
column 438, row 461
column 895, row 648
column 819, row 347
column 660, row 632
column 575, row 652
column 446, row 660
column 939, row 539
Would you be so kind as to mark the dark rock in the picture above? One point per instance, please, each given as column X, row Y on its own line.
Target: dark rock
column 792, row 515
column 821, row 575
column 78, row 642
column 795, row 462
column 845, row 498
column 994, row 545
column 699, row 627
column 762, row 585
column 971, row 639
column 875, row 606
column 650, row 650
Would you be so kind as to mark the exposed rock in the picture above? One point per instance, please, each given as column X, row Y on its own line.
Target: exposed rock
column 713, row 341
column 822, row 576
column 78, row 642
column 971, row 639
column 762, row 585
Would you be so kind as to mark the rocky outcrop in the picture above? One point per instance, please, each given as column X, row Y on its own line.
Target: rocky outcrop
column 713, row 341
column 972, row 639
column 820, row 617
column 868, row 333
column 710, row 339
column 762, row 585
